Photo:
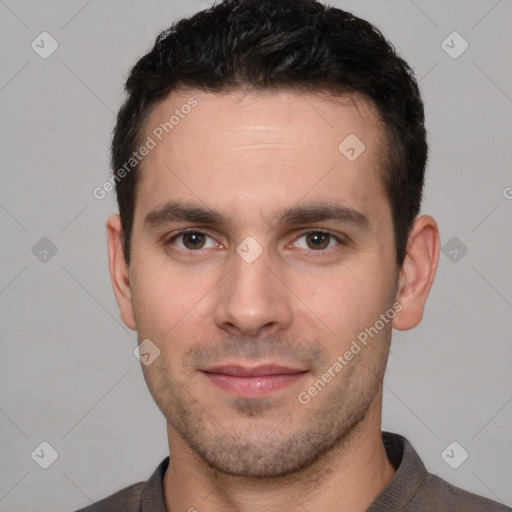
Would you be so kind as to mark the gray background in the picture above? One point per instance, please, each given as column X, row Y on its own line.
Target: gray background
column 69, row 376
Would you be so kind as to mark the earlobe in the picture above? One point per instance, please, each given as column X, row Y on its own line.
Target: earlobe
column 119, row 271
column 417, row 272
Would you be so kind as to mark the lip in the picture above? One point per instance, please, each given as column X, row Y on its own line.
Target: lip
column 253, row 381
column 253, row 371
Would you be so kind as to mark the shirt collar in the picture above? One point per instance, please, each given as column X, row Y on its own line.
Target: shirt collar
column 410, row 475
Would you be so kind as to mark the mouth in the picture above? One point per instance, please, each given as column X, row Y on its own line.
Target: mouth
column 253, row 381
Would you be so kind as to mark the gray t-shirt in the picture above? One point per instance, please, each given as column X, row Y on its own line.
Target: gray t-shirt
column 412, row 489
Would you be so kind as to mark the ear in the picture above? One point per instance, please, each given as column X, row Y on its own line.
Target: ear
column 417, row 272
column 119, row 271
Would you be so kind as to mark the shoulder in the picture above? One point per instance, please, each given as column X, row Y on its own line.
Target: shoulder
column 442, row 496
column 125, row 500
column 414, row 489
column 133, row 497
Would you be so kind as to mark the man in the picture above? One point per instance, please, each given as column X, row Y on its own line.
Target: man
column 269, row 164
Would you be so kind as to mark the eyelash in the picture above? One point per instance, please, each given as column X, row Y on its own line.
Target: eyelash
column 319, row 252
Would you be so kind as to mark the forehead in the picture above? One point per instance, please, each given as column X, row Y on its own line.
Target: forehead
column 241, row 151
column 275, row 116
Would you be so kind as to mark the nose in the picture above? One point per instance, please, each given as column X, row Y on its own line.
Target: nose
column 254, row 299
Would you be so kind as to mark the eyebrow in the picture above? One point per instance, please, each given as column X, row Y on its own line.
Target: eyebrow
column 319, row 211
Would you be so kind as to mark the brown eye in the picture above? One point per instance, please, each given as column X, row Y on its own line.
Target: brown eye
column 193, row 240
column 318, row 240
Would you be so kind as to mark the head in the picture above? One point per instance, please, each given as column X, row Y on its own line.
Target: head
column 288, row 140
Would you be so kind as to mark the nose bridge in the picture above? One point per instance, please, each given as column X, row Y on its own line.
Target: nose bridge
column 253, row 298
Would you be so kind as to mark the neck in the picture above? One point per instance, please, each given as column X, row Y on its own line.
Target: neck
column 347, row 478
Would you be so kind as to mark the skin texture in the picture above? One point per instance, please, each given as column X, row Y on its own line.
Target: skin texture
column 301, row 303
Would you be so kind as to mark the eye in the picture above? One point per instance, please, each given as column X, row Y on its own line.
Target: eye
column 192, row 240
column 318, row 240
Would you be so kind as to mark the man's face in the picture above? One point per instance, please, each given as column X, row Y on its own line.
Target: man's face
column 249, row 311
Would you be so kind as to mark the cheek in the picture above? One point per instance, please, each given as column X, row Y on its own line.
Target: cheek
column 346, row 301
column 169, row 302
column 158, row 303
